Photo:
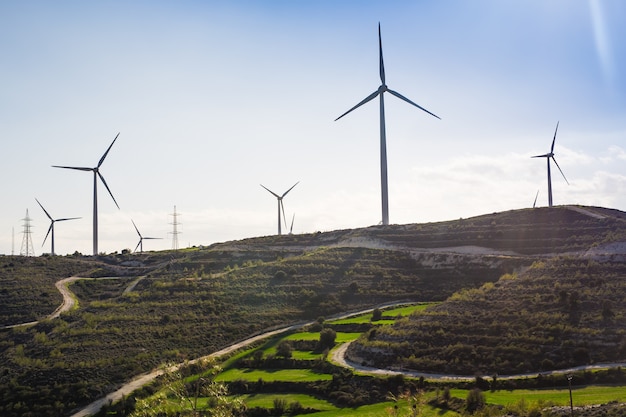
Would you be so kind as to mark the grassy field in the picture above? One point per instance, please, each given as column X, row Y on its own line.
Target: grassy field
column 393, row 312
column 327, row 409
column 290, row 375
column 341, row 336
column 587, row 395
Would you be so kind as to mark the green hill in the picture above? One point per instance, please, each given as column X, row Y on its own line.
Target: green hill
column 172, row 306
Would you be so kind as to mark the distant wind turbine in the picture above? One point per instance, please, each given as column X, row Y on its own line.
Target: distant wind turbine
column 383, row 141
column 291, row 228
column 281, row 207
column 96, row 174
column 141, row 239
column 548, row 156
column 51, row 228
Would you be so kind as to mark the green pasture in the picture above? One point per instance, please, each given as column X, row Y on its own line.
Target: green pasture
column 288, row 375
column 587, row 395
column 403, row 311
column 267, row 401
column 308, row 355
column 384, row 409
column 327, row 409
column 341, row 336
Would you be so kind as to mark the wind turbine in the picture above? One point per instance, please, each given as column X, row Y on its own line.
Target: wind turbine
column 280, row 204
column 383, row 141
column 96, row 174
column 51, row 228
column 291, row 228
column 141, row 239
column 548, row 156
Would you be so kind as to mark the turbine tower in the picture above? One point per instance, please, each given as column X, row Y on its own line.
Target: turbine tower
column 141, row 238
column 51, row 228
column 27, row 241
column 548, row 156
column 281, row 207
column 383, row 140
column 96, row 174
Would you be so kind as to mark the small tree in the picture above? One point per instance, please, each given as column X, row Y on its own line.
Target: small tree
column 377, row 314
column 327, row 339
column 185, row 392
column 475, row 400
column 284, row 349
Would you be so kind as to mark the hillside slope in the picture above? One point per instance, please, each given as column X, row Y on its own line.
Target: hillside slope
column 177, row 305
column 563, row 311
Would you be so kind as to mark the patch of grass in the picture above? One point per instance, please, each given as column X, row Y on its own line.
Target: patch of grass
column 267, row 401
column 291, row 375
column 393, row 312
column 384, row 409
column 594, row 394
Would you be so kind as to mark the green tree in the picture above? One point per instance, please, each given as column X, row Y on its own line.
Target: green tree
column 475, row 400
column 284, row 349
column 327, row 339
column 185, row 391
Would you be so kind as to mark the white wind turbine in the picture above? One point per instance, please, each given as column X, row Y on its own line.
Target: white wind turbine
column 548, row 156
column 51, row 228
column 383, row 141
column 96, row 174
column 281, row 207
column 141, row 239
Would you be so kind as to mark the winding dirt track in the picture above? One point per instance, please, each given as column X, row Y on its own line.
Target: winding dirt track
column 338, row 356
column 68, row 302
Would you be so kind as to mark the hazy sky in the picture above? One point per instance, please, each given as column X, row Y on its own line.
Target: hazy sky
column 213, row 98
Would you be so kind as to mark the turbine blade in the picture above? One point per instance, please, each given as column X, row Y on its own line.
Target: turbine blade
column 105, row 154
column 77, row 168
column 289, row 190
column 273, row 193
column 136, row 247
column 44, row 210
column 547, row 155
column 68, row 218
column 365, row 100
column 535, row 202
column 400, row 96
column 282, row 206
column 381, row 64
column 108, row 189
column 152, row 238
column 557, row 165
column 554, row 140
column 292, row 219
column 136, row 228
column 49, row 230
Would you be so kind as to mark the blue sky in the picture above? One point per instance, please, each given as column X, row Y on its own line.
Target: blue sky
column 212, row 99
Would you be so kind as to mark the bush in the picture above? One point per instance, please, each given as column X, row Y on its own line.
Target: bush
column 475, row 400
column 327, row 339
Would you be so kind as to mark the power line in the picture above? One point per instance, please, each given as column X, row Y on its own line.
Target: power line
column 175, row 223
column 27, row 241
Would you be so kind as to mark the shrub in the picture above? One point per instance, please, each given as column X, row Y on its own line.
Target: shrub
column 327, row 339
column 475, row 400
